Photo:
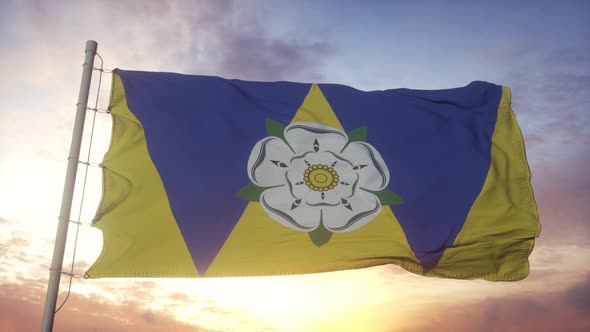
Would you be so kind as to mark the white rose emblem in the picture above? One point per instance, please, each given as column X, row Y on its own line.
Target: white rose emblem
column 316, row 176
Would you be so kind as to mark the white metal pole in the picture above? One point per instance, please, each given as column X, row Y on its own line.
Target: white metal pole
column 68, row 193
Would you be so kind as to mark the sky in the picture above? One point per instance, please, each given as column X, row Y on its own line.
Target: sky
column 540, row 49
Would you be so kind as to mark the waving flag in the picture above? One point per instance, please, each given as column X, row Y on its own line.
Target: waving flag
column 210, row 177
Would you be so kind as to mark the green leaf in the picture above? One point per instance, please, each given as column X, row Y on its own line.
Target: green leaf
column 275, row 128
column 320, row 235
column 358, row 134
column 250, row 192
column 387, row 197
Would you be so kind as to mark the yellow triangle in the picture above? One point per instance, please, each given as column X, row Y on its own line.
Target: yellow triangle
column 315, row 108
column 259, row 245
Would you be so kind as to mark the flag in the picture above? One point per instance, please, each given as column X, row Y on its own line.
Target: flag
column 208, row 177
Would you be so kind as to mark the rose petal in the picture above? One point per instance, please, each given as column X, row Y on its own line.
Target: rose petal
column 342, row 164
column 302, row 137
column 362, row 208
column 295, row 183
column 314, row 198
column 268, row 162
column 280, row 206
column 374, row 174
column 347, row 184
column 303, row 161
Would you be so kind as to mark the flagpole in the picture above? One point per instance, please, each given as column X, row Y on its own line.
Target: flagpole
column 68, row 192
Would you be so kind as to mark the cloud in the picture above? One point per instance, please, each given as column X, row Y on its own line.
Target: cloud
column 562, row 189
column 149, row 317
column 572, row 56
column 225, row 38
column 547, row 311
column 13, row 250
column 550, row 89
column 262, row 59
column 579, row 297
column 21, row 309
column 201, row 37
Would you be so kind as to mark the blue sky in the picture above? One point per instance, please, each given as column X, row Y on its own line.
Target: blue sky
column 540, row 49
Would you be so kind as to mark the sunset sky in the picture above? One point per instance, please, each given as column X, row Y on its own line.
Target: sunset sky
column 540, row 49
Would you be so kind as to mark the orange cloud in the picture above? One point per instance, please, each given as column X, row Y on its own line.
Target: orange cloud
column 21, row 310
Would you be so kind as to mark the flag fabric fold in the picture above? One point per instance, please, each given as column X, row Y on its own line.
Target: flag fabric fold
column 210, row 177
